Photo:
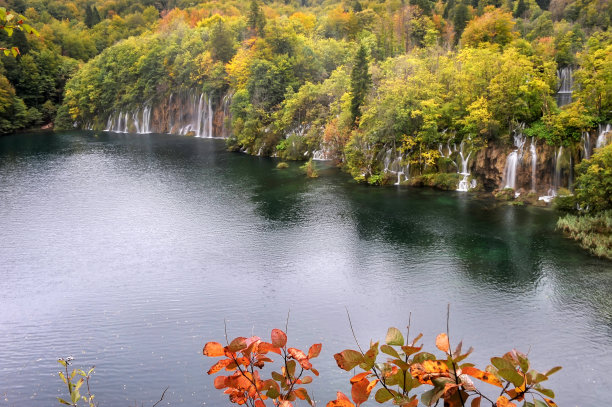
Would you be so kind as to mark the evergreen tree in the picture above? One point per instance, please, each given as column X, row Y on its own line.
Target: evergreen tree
column 521, row 8
column 95, row 15
column 222, row 42
column 460, row 19
column 360, row 82
column 88, row 16
column 255, row 18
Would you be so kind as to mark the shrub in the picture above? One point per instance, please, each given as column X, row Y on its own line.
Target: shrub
column 592, row 231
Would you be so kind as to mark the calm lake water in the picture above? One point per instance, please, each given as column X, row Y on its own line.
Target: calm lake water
column 129, row 251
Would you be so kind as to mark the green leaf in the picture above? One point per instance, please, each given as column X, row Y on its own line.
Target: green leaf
column 75, row 396
column 540, row 403
column 394, row 337
column 348, row 359
column 553, row 370
column 9, row 31
column 278, row 377
column 423, row 356
column 61, row 375
column 546, row 392
column 501, row 363
column 7, row 53
column 63, row 401
column 389, row 351
column 383, row 395
column 512, row 376
column 430, row 397
column 370, row 357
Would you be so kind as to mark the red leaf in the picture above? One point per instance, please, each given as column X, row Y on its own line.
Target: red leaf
column 259, row 403
column 213, row 349
column 279, row 338
column 314, row 350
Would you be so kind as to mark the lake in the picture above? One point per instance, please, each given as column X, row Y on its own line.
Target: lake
column 128, row 252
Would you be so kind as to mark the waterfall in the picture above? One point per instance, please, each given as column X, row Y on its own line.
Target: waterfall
column 464, row 185
column 534, row 163
column 602, row 137
column 557, row 173
column 586, row 145
column 513, row 159
column 566, row 85
column 123, row 122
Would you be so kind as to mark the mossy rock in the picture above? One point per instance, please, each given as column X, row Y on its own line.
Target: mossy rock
column 282, row 165
column 506, row 194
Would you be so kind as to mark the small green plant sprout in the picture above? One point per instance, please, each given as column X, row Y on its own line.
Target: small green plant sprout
column 75, row 386
column 246, row 386
column 406, row 366
column 10, row 22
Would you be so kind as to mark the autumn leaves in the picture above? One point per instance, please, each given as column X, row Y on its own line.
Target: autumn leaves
column 392, row 376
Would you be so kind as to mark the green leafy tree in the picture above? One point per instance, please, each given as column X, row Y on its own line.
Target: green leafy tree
column 594, row 182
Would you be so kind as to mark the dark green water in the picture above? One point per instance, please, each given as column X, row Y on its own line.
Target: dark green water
column 128, row 251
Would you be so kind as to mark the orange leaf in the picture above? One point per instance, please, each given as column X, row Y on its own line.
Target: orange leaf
column 476, row 402
column 442, row 343
column 219, row 365
column 315, row 371
column 213, row 349
column 220, row 382
column 301, row 393
column 371, row 385
column 265, row 347
column 359, row 391
column 359, row 377
column 480, row 375
column 314, row 350
column 259, row 403
column 279, row 338
column 296, row 354
column 550, row 402
column 341, row 401
column 435, row 366
column 504, row 402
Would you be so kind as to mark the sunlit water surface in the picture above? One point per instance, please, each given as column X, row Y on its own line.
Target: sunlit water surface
column 129, row 251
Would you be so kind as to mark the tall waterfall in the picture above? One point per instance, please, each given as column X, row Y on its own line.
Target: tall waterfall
column 586, row 145
column 566, row 85
column 464, row 185
column 513, row 160
column 190, row 113
column 534, row 163
column 557, row 173
column 603, row 135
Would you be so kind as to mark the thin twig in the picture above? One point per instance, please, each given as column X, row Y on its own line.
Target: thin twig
column 287, row 322
column 161, row 398
column 353, row 331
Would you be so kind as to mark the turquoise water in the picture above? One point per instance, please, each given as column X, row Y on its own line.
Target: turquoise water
column 129, row 251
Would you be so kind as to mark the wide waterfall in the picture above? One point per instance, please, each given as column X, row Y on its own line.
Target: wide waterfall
column 513, row 159
column 565, row 77
column 464, row 185
column 185, row 113
column 395, row 165
column 138, row 121
column 603, row 137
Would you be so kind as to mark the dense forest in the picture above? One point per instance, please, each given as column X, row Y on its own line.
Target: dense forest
column 419, row 92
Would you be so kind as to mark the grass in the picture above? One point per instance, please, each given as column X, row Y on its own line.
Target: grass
column 593, row 232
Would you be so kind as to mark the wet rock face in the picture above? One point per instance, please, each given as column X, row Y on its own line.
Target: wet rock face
column 549, row 170
column 182, row 113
